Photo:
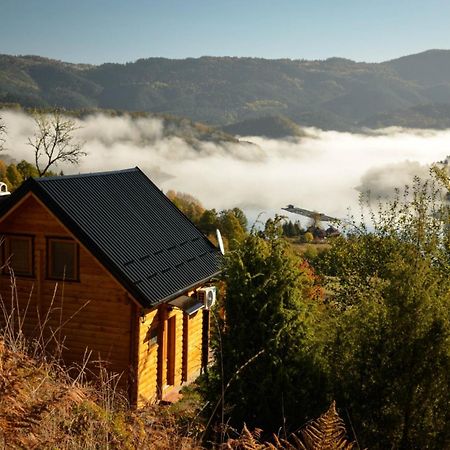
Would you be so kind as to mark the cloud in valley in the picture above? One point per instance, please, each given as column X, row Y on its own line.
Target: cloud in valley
column 324, row 171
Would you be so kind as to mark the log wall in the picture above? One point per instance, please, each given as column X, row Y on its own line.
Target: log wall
column 148, row 358
column 90, row 316
column 192, row 343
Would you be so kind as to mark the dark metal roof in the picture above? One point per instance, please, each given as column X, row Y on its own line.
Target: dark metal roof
column 151, row 247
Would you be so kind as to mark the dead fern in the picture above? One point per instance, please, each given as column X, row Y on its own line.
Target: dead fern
column 248, row 440
column 325, row 433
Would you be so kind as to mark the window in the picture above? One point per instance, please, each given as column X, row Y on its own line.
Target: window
column 18, row 254
column 153, row 335
column 62, row 259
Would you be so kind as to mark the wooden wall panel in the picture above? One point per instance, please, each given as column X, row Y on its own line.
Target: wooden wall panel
column 178, row 363
column 148, row 359
column 194, row 349
column 93, row 314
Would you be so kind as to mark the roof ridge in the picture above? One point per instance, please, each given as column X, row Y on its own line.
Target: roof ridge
column 86, row 175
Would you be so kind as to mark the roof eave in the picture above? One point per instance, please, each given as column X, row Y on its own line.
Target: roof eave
column 185, row 289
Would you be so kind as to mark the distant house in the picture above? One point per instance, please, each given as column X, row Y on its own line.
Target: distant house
column 131, row 270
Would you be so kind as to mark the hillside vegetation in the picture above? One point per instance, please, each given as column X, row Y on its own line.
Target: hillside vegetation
column 42, row 407
column 365, row 322
column 275, row 127
column 332, row 94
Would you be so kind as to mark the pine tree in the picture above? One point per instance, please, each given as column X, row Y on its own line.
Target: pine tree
column 264, row 344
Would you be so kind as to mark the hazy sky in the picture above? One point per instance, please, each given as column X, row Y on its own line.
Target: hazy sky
column 96, row 31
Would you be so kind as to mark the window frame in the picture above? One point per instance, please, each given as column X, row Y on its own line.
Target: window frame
column 49, row 266
column 5, row 251
column 153, row 335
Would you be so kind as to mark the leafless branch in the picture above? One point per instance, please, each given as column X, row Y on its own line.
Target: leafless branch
column 54, row 142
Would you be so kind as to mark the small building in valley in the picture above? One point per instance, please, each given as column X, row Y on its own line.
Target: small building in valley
column 108, row 265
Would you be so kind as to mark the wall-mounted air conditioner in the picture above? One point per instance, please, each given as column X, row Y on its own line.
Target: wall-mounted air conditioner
column 207, row 295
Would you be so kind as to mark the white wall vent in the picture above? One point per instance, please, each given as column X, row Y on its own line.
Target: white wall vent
column 4, row 189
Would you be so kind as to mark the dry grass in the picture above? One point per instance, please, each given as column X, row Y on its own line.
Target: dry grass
column 42, row 408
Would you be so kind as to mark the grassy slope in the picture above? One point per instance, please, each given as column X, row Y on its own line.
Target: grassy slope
column 42, row 407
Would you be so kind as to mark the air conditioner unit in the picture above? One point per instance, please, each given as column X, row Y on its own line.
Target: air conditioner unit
column 207, row 295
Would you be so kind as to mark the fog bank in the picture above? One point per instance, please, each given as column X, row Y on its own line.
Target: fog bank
column 324, row 171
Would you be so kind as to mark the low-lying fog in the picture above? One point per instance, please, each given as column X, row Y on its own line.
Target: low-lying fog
column 324, row 171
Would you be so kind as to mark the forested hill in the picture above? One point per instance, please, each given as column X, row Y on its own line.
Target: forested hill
column 332, row 94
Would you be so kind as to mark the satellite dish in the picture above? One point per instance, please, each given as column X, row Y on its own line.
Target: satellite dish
column 220, row 241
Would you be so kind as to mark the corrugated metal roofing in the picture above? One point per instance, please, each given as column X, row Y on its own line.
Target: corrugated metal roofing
column 133, row 229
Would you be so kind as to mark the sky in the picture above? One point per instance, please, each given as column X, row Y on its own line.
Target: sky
column 98, row 31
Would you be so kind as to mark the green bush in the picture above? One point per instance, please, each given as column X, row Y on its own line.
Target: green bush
column 388, row 351
column 308, row 237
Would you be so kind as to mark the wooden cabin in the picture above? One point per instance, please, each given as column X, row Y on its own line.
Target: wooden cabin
column 108, row 265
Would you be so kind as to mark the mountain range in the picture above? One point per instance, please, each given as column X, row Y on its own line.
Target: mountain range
column 241, row 94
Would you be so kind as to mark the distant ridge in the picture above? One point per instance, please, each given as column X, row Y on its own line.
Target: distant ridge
column 433, row 116
column 336, row 93
column 275, row 127
column 429, row 68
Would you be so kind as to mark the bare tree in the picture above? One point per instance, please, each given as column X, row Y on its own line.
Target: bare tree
column 2, row 134
column 53, row 141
